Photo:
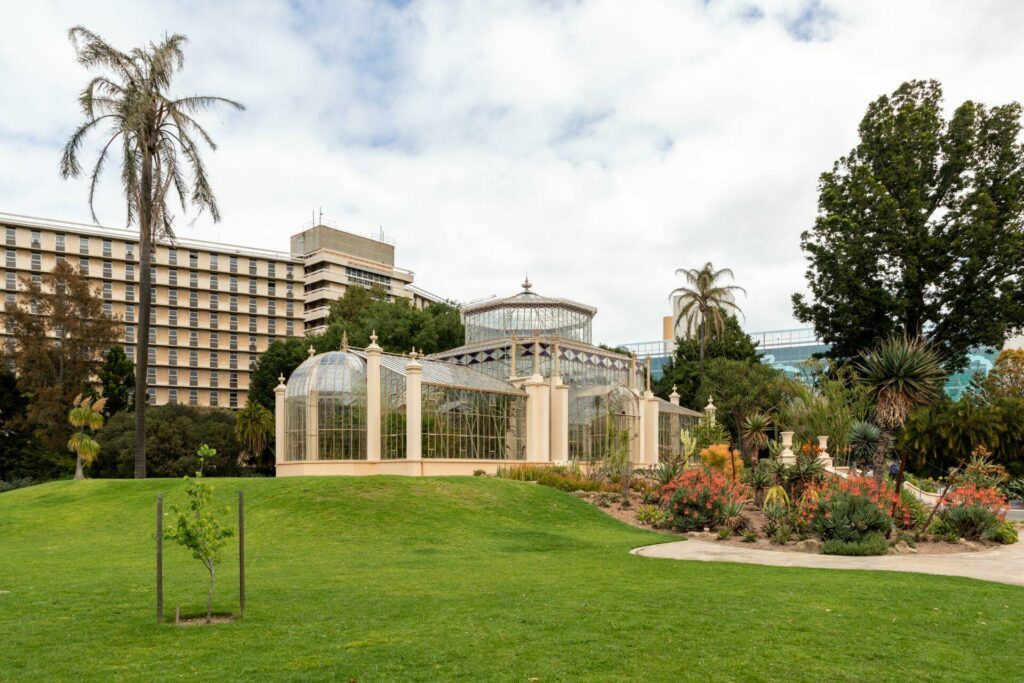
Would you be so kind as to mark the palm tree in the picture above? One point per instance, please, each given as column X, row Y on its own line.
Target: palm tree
column 156, row 136
column 85, row 414
column 254, row 425
column 705, row 303
column 901, row 373
column 755, row 433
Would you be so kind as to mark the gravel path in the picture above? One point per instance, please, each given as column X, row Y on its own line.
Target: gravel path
column 1002, row 565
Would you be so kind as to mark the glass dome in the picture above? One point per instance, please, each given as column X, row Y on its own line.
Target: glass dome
column 527, row 314
column 325, row 408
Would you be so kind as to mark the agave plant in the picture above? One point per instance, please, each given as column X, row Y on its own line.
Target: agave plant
column 732, row 517
column 863, row 442
column 901, row 373
column 755, row 433
column 86, row 414
column 775, row 498
column 759, row 478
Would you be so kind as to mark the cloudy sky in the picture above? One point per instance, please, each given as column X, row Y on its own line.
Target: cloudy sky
column 597, row 145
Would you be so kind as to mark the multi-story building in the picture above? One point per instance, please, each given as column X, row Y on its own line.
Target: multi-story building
column 216, row 307
column 335, row 260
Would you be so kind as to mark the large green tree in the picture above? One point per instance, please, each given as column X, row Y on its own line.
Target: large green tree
column 60, row 334
column 683, row 370
column 280, row 358
column 158, row 140
column 117, row 381
column 741, row 388
column 17, row 454
column 919, row 229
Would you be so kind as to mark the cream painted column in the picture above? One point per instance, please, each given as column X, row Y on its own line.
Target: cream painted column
column 650, row 427
column 538, row 420
column 413, row 408
column 559, row 397
column 312, row 451
column 280, row 443
column 373, row 399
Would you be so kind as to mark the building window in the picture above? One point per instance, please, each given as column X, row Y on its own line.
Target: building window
column 83, row 265
column 271, row 289
column 214, row 282
column 152, row 339
column 193, row 338
column 108, row 269
column 172, row 376
column 130, row 352
column 367, row 278
column 252, row 325
column 214, row 321
column 193, row 259
column 83, row 245
column 214, row 340
column 60, row 258
column 233, row 323
column 37, row 261
column 193, row 279
column 271, row 307
column 172, row 297
column 214, row 300
column 152, row 313
column 151, row 396
column 193, row 378
column 172, row 395
column 172, row 257
column 11, row 258
column 129, row 313
column 289, row 328
column 252, row 286
column 252, row 344
column 272, row 326
column 233, row 380
column 151, row 355
column 150, row 375
column 129, row 250
column 172, row 357
column 271, row 270
column 193, row 397
column 252, row 306
column 233, row 264
column 214, row 379
column 252, row 266
column 233, row 399
column 193, row 318
column 213, row 264
column 233, row 342
column 233, row 361
column 60, row 241
column 108, row 309
column 108, row 248
column 233, row 283
column 11, row 281
column 129, row 271
column 12, row 237
column 214, row 359
column 37, row 241
column 213, row 398
column 172, row 317
column 129, row 334
column 289, row 309
column 290, row 292
column 233, row 302
column 289, row 271
column 193, row 359
column 172, row 277
column 172, row 337
column 108, row 290
column 129, row 292
column 193, row 298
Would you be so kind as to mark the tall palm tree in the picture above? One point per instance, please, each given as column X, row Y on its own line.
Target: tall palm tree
column 254, row 425
column 902, row 373
column 704, row 303
column 156, row 136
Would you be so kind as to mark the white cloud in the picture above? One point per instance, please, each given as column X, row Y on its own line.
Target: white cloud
column 598, row 145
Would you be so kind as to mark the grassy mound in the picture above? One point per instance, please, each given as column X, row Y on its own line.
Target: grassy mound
column 455, row 579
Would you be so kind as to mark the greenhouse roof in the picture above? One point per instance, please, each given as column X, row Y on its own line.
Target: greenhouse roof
column 526, row 298
column 669, row 407
column 451, row 374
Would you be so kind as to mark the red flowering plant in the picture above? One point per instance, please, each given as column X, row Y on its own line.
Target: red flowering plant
column 849, row 508
column 695, row 498
column 970, row 494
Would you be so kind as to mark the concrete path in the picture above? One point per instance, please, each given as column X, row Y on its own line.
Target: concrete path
column 1002, row 565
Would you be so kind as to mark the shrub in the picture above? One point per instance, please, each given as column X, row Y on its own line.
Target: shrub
column 732, row 516
column 750, row 536
column 718, row 456
column 970, row 494
column 774, row 517
column 652, row 515
column 557, row 477
column 759, row 479
column 479, row 473
column 849, row 517
column 870, row 544
column 1005, row 533
column 666, row 471
column 697, row 498
column 1014, row 489
column 967, row 521
column 16, row 483
column 782, row 535
column 724, row 533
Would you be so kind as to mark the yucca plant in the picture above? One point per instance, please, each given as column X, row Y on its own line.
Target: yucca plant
column 86, row 416
column 901, row 373
column 755, row 433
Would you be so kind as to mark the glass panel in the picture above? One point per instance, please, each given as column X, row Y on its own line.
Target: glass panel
column 467, row 424
column 392, row 427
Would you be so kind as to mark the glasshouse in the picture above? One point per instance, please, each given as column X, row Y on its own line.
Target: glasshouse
column 527, row 387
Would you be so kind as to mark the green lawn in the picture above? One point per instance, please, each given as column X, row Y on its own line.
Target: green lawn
column 457, row 579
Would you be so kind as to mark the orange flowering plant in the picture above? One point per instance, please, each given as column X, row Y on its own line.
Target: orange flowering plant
column 696, row 498
column 840, row 507
column 970, row 494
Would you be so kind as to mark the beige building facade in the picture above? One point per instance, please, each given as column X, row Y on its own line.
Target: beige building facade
column 216, row 306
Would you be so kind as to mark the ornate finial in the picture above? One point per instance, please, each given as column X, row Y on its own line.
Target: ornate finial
column 311, row 351
column 280, row 378
column 412, row 354
column 344, row 340
column 373, row 337
column 527, row 284
column 675, row 390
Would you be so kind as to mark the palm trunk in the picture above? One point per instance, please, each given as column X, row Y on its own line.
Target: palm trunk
column 79, row 474
column 145, row 293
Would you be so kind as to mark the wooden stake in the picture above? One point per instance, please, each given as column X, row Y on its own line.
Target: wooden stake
column 159, row 558
column 241, row 553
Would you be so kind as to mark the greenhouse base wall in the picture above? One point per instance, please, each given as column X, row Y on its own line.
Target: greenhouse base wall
column 409, row 468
